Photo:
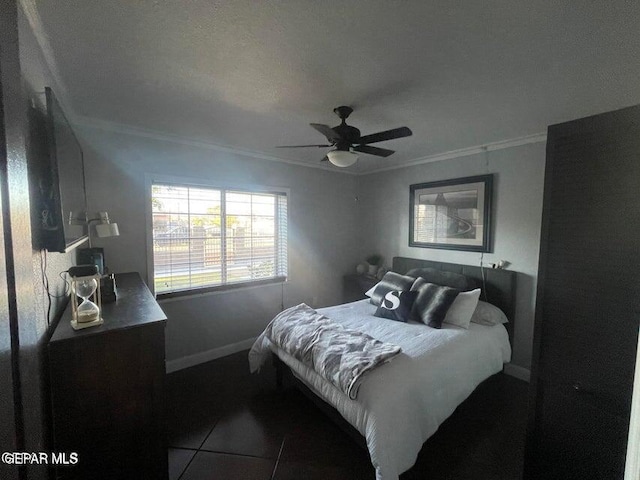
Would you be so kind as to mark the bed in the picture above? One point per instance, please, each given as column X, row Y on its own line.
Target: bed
column 402, row 402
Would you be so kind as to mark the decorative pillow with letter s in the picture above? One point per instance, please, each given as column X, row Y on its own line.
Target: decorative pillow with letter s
column 396, row 305
column 391, row 282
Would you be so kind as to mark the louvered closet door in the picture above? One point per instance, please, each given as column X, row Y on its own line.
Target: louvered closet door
column 588, row 306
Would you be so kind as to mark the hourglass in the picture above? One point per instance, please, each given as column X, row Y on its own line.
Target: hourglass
column 85, row 283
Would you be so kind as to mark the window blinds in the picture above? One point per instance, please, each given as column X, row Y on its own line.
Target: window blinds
column 207, row 237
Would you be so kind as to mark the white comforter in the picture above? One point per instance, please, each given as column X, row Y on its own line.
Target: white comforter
column 401, row 403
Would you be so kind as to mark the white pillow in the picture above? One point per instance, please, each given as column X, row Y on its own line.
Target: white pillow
column 369, row 293
column 487, row 314
column 462, row 308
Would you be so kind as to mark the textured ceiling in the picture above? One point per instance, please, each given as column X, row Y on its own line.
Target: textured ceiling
column 254, row 74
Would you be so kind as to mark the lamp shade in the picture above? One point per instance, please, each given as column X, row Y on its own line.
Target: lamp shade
column 342, row 158
column 107, row 230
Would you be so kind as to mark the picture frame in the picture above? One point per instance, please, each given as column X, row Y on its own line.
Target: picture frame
column 452, row 214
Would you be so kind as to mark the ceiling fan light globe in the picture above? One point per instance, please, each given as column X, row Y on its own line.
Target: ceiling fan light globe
column 341, row 158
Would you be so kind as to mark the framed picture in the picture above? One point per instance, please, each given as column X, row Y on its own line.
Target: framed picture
column 451, row 214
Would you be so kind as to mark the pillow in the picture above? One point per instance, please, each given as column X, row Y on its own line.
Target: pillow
column 396, row 305
column 432, row 303
column 369, row 293
column 440, row 277
column 462, row 308
column 390, row 282
column 488, row 314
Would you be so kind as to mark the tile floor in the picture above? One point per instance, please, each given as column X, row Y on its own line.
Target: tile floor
column 225, row 424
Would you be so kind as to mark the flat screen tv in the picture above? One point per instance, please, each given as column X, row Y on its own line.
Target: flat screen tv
column 63, row 214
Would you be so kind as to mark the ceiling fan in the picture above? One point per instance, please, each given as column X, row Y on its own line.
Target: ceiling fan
column 346, row 140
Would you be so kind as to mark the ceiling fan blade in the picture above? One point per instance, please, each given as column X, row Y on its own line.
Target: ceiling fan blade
column 386, row 135
column 301, row 146
column 380, row 152
column 327, row 131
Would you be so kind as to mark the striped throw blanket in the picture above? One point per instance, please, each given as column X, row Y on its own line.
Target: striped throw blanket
column 340, row 355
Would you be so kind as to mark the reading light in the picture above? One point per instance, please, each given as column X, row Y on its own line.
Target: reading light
column 105, row 228
column 342, row 158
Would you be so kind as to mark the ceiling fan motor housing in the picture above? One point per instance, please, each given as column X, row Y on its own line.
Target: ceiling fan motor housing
column 348, row 135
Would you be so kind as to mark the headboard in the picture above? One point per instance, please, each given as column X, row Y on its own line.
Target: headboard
column 499, row 285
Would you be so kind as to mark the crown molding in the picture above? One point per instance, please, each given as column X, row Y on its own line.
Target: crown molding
column 465, row 152
column 123, row 129
column 105, row 125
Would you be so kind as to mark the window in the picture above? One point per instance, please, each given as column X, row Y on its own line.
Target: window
column 208, row 237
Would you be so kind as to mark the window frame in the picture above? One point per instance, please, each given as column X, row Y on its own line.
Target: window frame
column 150, row 179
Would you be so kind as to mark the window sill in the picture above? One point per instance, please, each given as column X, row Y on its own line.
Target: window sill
column 218, row 289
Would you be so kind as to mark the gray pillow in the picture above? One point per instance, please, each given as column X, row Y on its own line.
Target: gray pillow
column 391, row 282
column 432, row 303
column 488, row 314
column 446, row 279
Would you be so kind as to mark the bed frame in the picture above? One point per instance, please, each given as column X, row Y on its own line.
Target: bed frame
column 498, row 288
column 498, row 285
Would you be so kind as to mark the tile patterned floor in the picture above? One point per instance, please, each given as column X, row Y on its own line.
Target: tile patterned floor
column 225, row 424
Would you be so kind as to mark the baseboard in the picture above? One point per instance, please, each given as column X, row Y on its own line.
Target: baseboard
column 517, row 372
column 208, row 355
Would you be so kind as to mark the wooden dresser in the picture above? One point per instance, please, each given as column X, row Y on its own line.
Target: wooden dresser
column 588, row 301
column 107, row 389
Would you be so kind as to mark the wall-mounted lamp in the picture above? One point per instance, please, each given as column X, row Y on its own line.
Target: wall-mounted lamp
column 95, row 256
column 104, row 228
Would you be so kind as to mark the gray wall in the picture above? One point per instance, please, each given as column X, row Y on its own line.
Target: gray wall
column 518, row 186
column 24, row 74
column 322, row 229
column 329, row 230
column 35, row 76
column 34, row 326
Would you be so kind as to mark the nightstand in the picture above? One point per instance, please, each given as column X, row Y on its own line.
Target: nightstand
column 355, row 286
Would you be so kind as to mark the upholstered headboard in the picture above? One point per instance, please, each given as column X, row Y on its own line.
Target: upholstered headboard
column 499, row 286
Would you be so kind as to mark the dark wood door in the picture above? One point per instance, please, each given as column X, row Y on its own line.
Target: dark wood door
column 588, row 305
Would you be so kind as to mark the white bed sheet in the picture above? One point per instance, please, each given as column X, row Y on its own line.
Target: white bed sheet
column 401, row 403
